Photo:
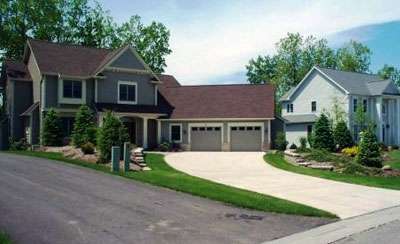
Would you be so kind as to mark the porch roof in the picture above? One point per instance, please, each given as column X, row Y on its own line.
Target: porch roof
column 128, row 108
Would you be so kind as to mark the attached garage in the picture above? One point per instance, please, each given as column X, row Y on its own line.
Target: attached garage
column 206, row 138
column 246, row 138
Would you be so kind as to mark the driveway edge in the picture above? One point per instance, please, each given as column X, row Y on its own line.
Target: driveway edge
column 339, row 230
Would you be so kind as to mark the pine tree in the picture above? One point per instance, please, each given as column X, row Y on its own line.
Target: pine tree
column 342, row 135
column 369, row 151
column 84, row 129
column 112, row 133
column 322, row 137
column 51, row 134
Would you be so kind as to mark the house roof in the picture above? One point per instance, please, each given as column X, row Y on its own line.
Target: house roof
column 168, row 80
column 354, row 83
column 56, row 58
column 17, row 70
column 220, row 101
column 31, row 108
column 128, row 108
column 301, row 118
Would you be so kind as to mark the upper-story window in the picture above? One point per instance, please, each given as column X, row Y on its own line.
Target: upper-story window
column 313, row 106
column 72, row 89
column 365, row 105
column 355, row 104
column 289, row 108
column 383, row 109
column 127, row 92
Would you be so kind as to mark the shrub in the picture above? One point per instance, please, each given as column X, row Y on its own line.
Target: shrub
column 342, row 136
column 369, row 152
column 322, row 135
column 84, row 130
column 112, row 133
column 51, row 134
column 303, row 143
column 280, row 141
column 320, row 155
column 293, row 146
column 18, row 144
column 88, row 148
column 350, row 151
column 164, row 146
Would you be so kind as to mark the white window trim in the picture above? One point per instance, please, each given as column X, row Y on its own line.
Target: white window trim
column 170, row 132
column 133, row 83
column 62, row 99
column 205, row 125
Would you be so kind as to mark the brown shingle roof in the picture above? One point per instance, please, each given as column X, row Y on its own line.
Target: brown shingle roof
column 68, row 59
column 168, row 80
column 220, row 101
column 17, row 70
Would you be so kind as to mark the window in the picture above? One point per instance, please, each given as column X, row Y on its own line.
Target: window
column 313, row 106
column 67, row 124
column 289, row 108
column 176, row 133
column 309, row 130
column 355, row 103
column 72, row 89
column 127, row 92
column 365, row 104
column 217, row 128
column 383, row 109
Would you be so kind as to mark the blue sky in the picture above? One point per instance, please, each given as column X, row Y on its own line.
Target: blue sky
column 212, row 41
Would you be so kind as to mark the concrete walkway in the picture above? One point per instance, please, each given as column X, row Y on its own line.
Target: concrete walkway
column 248, row 170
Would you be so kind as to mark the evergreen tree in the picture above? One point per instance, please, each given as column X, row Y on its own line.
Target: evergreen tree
column 322, row 135
column 112, row 133
column 342, row 135
column 51, row 134
column 369, row 151
column 84, row 129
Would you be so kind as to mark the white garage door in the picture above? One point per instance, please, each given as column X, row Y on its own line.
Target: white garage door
column 205, row 138
column 246, row 138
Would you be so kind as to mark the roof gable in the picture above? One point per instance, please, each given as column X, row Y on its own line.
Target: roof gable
column 127, row 60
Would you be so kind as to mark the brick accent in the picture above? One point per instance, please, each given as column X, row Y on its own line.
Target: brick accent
column 225, row 147
column 185, row 146
column 266, row 146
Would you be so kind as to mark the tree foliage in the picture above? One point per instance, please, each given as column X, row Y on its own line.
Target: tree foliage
column 51, row 134
column 369, row 150
column 354, row 56
column 342, row 135
column 391, row 73
column 322, row 137
column 111, row 133
column 77, row 22
column 84, row 130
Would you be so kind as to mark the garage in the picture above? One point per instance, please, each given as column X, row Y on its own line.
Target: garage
column 205, row 138
column 246, row 138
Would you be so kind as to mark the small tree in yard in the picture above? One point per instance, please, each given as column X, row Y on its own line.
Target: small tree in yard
column 342, row 135
column 322, row 137
column 112, row 133
column 51, row 134
column 369, row 151
column 84, row 130
column 280, row 141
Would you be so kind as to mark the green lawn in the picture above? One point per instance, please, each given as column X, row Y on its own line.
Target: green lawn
column 278, row 161
column 4, row 239
column 164, row 176
column 395, row 162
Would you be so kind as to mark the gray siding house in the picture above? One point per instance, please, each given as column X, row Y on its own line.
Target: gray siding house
column 322, row 87
column 153, row 107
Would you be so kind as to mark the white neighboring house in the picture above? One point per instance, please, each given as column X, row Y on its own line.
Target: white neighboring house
column 380, row 98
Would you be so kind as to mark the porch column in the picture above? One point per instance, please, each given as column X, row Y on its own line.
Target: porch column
column 269, row 133
column 158, row 131
column 378, row 104
column 397, row 119
column 145, row 122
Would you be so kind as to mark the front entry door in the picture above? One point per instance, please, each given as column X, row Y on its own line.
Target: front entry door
column 131, row 127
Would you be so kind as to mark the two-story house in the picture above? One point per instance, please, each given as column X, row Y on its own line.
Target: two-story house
column 323, row 88
column 153, row 107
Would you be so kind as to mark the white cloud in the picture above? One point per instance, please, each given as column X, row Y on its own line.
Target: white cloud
column 219, row 40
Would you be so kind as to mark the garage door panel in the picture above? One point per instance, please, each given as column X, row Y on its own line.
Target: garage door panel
column 205, row 139
column 245, row 138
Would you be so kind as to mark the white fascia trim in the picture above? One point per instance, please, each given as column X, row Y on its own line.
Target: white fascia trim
column 245, row 124
column 132, row 83
column 306, row 76
column 43, row 91
column 170, row 132
column 219, row 119
column 128, row 70
column 64, row 100
column 190, row 125
column 34, row 59
column 74, row 77
column 140, row 115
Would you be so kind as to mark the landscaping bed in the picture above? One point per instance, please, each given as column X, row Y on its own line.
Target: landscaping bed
column 4, row 238
column 165, row 176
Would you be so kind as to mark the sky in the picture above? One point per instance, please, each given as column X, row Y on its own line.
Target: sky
column 212, row 41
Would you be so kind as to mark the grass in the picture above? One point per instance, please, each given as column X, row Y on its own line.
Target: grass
column 278, row 161
column 395, row 161
column 165, row 176
column 4, row 238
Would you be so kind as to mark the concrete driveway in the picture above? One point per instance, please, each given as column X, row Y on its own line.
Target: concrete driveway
column 248, row 170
